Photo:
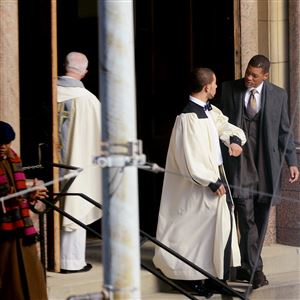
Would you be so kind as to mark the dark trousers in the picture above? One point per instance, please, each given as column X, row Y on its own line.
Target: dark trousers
column 251, row 217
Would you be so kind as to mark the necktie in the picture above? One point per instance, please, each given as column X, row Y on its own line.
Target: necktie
column 251, row 106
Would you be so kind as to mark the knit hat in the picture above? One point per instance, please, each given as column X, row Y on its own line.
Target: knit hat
column 7, row 133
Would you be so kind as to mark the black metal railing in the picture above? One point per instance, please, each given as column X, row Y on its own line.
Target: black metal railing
column 143, row 235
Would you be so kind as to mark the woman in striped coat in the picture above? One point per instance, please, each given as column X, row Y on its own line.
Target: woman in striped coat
column 21, row 272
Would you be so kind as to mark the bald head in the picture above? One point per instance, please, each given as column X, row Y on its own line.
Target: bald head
column 76, row 64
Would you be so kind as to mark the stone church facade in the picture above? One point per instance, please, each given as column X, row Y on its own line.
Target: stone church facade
column 268, row 27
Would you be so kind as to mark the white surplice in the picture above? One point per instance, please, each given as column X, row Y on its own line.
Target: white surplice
column 193, row 220
column 80, row 133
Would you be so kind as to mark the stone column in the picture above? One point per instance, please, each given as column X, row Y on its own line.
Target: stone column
column 294, row 52
column 249, row 31
column 9, row 67
column 278, row 42
column 9, row 73
column 288, row 212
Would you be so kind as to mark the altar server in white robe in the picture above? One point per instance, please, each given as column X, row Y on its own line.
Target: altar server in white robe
column 196, row 216
column 79, row 134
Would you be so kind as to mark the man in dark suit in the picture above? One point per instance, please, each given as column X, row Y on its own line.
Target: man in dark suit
column 260, row 109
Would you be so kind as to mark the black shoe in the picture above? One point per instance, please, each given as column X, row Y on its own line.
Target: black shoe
column 216, row 288
column 194, row 287
column 242, row 274
column 259, row 280
column 201, row 289
column 86, row 268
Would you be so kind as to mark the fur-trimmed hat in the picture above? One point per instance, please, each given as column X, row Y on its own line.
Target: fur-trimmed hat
column 7, row 133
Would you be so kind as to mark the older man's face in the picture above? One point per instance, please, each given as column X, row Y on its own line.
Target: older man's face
column 254, row 77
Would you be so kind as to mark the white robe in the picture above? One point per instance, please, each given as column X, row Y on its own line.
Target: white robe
column 81, row 143
column 193, row 220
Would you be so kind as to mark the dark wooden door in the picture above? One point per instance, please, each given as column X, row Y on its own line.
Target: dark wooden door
column 171, row 39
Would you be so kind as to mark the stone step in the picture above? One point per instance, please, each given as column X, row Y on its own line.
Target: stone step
column 281, row 263
column 282, row 286
column 281, row 259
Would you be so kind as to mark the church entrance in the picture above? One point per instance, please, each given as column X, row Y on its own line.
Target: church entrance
column 171, row 38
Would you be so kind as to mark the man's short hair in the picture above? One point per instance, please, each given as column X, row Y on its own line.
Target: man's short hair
column 76, row 61
column 260, row 61
column 199, row 78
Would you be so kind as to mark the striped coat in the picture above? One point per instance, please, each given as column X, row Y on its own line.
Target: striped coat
column 14, row 212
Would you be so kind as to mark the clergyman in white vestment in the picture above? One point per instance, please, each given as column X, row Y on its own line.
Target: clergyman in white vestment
column 196, row 216
column 80, row 134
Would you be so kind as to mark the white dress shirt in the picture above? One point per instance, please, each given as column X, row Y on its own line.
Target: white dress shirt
column 257, row 96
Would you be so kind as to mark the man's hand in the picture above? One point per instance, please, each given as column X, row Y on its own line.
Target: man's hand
column 235, row 149
column 294, row 174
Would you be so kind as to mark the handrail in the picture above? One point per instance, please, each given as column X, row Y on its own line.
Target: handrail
column 191, row 264
column 53, row 206
column 142, row 233
column 149, row 237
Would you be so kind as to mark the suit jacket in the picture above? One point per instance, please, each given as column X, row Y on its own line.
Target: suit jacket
column 275, row 131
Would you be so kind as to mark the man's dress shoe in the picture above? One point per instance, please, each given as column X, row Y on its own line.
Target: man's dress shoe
column 86, row 268
column 242, row 274
column 216, row 288
column 259, row 280
column 201, row 289
column 194, row 287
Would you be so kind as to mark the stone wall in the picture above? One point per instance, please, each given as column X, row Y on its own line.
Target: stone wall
column 288, row 212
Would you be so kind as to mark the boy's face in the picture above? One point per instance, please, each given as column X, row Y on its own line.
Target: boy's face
column 212, row 88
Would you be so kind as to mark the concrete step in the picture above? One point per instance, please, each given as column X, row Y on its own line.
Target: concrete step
column 281, row 265
column 280, row 259
column 282, row 286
